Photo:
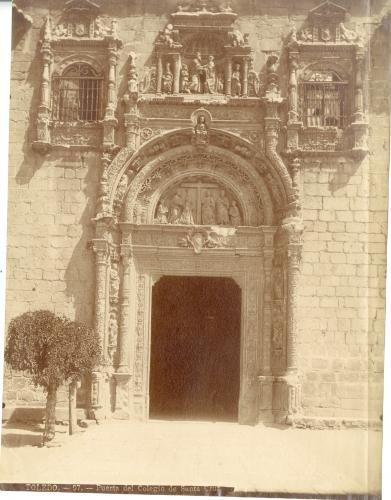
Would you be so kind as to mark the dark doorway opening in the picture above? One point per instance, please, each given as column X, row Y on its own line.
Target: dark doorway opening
column 195, row 349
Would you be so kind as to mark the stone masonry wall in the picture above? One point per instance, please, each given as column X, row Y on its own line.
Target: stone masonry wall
column 341, row 305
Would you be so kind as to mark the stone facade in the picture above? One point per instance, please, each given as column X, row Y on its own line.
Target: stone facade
column 94, row 212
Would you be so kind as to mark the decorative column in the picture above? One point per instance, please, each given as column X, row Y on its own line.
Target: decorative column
column 123, row 374
column 132, row 115
column 245, row 77
column 228, row 75
column 289, row 384
column 42, row 144
column 99, row 389
column 109, row 121
column 360, row 123
column 159, row 74
column 177, row 72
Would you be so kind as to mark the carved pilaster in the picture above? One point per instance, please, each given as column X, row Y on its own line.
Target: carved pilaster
column 267, row 310
column 102, row 252
column 123, row 374
column 103, row 204
column 177, row 72
column 228, row 76
column 132, row 116
column 99, row 388
column 159, row 74
column 245, row 77
column 293, row 230
column 42, row 144
column 132, row 124
column 294, row 125
column 359, row 126
column 109, row 121
column 125, row 306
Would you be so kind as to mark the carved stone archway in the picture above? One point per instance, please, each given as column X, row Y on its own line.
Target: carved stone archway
column 134, row 249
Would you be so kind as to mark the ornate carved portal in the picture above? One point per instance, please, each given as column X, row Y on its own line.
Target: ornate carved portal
column 187, row 212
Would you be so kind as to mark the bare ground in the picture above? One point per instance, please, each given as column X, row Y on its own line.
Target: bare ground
column 198, row 453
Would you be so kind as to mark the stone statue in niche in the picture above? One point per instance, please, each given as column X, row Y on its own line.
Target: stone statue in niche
column 238, row 39
column 236, row 85
column 113, row 329
column 198, row 75
column 185, row 79
column 210, row 84
column 208, row 208
column 176, row 206
column 167, row 80
column 253, row 79
column 234, row 214
column 162, row 213
column 187, row 212
column 200, row 132
column 150, row 80
column 222, row 207
column 272, row 79
column 132, row 75
column 114, row 282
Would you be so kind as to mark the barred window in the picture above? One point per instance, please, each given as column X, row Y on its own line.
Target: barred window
column 323, row 100
column 78, row 95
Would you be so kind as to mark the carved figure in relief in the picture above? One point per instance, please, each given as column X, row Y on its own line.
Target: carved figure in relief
column 237, row 39
column 150, row 82
column 132, row 75
column 348, row 35
column 162, row 213
column 201, row 132
column 208, row 207
column 210, row 86
column 236, row 85
column 253, row 80
column 293, row 34
column 168, row 36
column 114, row 281
column 167, row 80
column 222, row 208
column 306, row 35
column 113, row 329
column 100, row 29
column 176, row 209
column 185, row 79
column 234, row 214
column 61, row 30
column 122, row 187
column 187, row 213
column 325, row 34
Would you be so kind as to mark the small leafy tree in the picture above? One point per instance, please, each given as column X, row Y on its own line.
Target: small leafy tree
column 54, row 351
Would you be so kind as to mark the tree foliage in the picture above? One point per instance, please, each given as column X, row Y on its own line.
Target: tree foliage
column 52, row 349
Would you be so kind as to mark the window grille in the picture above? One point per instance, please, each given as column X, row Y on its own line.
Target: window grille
column 324, row 100
column 77, row 95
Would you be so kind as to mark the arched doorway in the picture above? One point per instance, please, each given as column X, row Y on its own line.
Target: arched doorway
column 195, row 348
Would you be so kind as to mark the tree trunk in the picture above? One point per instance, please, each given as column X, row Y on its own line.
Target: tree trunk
column 50, row 424
column 72, row 407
